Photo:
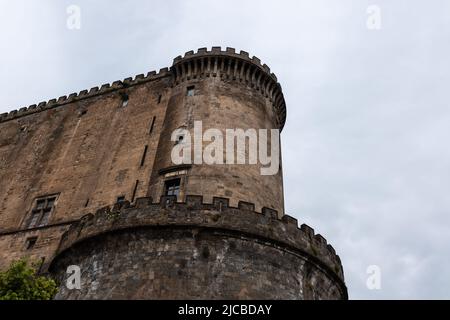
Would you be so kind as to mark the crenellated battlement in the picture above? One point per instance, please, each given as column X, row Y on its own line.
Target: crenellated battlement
column 228, row 64
column 85, row 94
column 218, row 215
column 227, row 53
column 225, row 64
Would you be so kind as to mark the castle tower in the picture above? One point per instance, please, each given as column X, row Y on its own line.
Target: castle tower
column 223, row 90
column 161, row 230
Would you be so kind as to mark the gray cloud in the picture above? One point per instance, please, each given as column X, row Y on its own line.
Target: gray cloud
column 366, row 157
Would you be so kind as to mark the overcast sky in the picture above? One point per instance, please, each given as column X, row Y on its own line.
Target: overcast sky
column 365, row 146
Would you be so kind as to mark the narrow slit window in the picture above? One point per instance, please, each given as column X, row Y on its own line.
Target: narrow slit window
column 159, row 98
column 152, row 125
column 144, row 154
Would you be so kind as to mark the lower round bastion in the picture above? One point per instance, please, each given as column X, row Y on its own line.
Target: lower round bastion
column 196, row 250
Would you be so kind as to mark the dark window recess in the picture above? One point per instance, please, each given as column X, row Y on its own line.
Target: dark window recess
column 40, row 215
column 152, row 125
column 172, row 187
column 159, row 98
column 120, row 199
column 124, row 99
column 144, row 154
column 86, row 203
column 134, row 191
column 30, row 243
column 190, row 91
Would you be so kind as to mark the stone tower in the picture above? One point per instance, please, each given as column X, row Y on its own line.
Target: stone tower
column 160, row 230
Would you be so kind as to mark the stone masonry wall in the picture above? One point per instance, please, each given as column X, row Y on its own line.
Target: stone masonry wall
column 190, row 263
column 86, row 149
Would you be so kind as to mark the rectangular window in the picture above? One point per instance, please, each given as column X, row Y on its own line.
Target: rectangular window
column 120, row 199
column 40, row 215
column 172, row 187
column 190, row 91
column 159, row 99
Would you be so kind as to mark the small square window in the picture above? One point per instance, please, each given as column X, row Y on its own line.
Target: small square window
column 124, row 99
column 120, row 199
column 30, row 243
column 190, row 91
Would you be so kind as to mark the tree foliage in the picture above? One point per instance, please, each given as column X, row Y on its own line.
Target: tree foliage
column 21, row 282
